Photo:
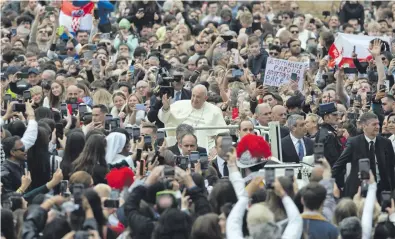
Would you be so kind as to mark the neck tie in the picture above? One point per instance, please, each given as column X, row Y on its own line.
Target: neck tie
column 300, row 150
column 226, row 170
column 372, row 158
column 178, row 96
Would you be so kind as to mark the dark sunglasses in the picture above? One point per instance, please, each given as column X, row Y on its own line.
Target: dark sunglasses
column 273, row 53
column 20, row 149
column 70, row 48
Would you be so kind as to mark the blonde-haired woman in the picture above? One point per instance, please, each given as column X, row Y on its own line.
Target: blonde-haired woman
column 102, row 96
column 36, row 93
column 131, row 115
column 118, row 100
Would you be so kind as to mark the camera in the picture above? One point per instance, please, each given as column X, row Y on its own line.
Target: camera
column 74, row 105
column 113, row 201
column 27, row 95
column 182, row 161
column 7, row 97
column 111, row 124
column 77, row 190
column 19, row 107
column 270, row 176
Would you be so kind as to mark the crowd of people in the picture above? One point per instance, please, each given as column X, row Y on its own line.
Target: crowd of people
column 102, row 102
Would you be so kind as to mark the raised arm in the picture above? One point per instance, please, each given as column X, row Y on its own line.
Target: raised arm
column 30, row 135
column 340, row 77
column 294, row 227
column 368, row 208
column 376, row 50
column 235, row 176
column 164, row 113
column 33, row 32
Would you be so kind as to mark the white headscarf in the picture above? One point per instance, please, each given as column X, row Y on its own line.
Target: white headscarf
column 115, row 143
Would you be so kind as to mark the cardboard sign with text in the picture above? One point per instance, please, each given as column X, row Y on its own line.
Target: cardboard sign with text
column 279, row 72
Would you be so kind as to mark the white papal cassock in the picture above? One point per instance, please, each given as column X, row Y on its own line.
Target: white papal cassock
column 181, row 112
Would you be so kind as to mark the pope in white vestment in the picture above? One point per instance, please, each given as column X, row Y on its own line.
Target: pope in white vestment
column 197, row 113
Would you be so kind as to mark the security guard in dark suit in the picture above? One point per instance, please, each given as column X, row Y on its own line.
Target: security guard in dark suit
column 327, row 134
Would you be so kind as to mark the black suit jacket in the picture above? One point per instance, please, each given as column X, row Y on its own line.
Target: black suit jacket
column 289, row 151
column 174, row 149
column 284, row 131
column 357, row 148
column 214, row 164
column 157, row 104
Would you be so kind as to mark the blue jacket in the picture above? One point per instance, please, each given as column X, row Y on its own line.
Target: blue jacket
column 105, row 7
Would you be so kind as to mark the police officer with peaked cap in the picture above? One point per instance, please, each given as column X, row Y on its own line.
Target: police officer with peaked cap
column 327, row 134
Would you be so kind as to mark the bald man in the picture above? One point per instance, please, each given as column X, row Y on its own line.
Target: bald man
column 72, row 92
column 279, row 113
column 195, row 112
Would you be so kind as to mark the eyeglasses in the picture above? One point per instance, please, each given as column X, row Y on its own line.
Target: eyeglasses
column 273, row 53
column 294, row 32
column 20, row 149
column 70, row 48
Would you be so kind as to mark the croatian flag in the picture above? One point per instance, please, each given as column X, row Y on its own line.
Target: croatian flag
column 341, row 50
column 76, row 18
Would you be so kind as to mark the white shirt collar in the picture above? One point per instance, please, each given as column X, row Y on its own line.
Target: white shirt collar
column 294, row 139
column 368, row 140
column 220, row 161
column 179, row 149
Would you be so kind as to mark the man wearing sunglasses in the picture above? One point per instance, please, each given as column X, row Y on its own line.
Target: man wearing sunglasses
column 13, row 168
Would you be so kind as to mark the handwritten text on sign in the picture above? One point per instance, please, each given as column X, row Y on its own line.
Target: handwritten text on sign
column 278, row 72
